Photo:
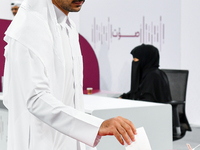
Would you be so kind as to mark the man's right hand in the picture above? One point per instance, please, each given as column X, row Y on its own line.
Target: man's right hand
column 119, row 127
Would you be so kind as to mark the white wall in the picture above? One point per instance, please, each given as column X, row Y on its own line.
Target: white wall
column 114, row 28
column 190, row 56
column 5, row 10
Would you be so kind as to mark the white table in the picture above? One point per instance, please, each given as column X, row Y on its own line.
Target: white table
column 155, row 118
column 3, row 124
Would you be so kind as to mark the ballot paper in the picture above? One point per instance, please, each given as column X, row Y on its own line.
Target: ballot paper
column 141, row 141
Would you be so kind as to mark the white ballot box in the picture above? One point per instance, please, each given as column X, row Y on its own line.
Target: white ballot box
column 155, row 118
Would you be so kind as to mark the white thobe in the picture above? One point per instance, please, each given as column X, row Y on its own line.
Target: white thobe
column 43, row 90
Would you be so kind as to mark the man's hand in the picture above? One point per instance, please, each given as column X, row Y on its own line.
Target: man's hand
column 119, row 127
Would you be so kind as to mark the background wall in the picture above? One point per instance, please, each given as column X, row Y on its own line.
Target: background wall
column 5, row 9
column 114, row 31
column 190, row 52
column 184, row 34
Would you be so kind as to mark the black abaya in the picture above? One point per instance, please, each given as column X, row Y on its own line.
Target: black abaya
column 148, row 82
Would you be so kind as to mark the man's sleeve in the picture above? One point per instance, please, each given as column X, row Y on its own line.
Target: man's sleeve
column 34, row 84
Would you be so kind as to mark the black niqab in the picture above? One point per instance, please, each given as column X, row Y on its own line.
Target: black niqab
column 147, row 81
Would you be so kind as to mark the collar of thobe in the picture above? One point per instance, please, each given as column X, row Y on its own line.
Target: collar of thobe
column 62, row 19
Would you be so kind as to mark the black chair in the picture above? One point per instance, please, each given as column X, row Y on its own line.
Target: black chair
column 178, row 87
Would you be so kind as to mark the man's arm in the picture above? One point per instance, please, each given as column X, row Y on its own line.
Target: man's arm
column 26, row 72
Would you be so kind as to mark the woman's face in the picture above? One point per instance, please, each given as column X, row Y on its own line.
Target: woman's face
column 135, row 59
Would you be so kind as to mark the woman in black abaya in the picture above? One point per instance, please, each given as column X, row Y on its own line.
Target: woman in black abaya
column 148, row 82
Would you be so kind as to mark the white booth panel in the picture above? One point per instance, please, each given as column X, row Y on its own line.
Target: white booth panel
column 155, row 118
column 3, row 125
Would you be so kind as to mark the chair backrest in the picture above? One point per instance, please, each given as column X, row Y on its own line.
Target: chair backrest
column 178, row 84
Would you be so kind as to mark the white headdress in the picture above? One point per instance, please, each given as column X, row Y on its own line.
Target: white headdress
column 16, row 3
column 35, row 26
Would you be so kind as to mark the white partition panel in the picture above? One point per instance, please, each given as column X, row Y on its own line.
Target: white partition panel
column 3, row 125
column 155, row 118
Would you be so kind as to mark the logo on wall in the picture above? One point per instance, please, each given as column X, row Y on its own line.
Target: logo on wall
column 149, row 33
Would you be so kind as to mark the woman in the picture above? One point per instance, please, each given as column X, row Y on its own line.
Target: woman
column 148, row 83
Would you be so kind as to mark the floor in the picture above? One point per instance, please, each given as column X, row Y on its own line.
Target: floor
column 192, row 138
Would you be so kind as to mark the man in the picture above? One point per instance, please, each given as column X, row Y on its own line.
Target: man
column 15, row 6
column 43, row 82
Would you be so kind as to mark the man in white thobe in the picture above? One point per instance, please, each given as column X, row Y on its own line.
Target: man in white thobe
column 43, row 82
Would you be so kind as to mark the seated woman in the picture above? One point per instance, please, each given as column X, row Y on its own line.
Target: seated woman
column 148, row 82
